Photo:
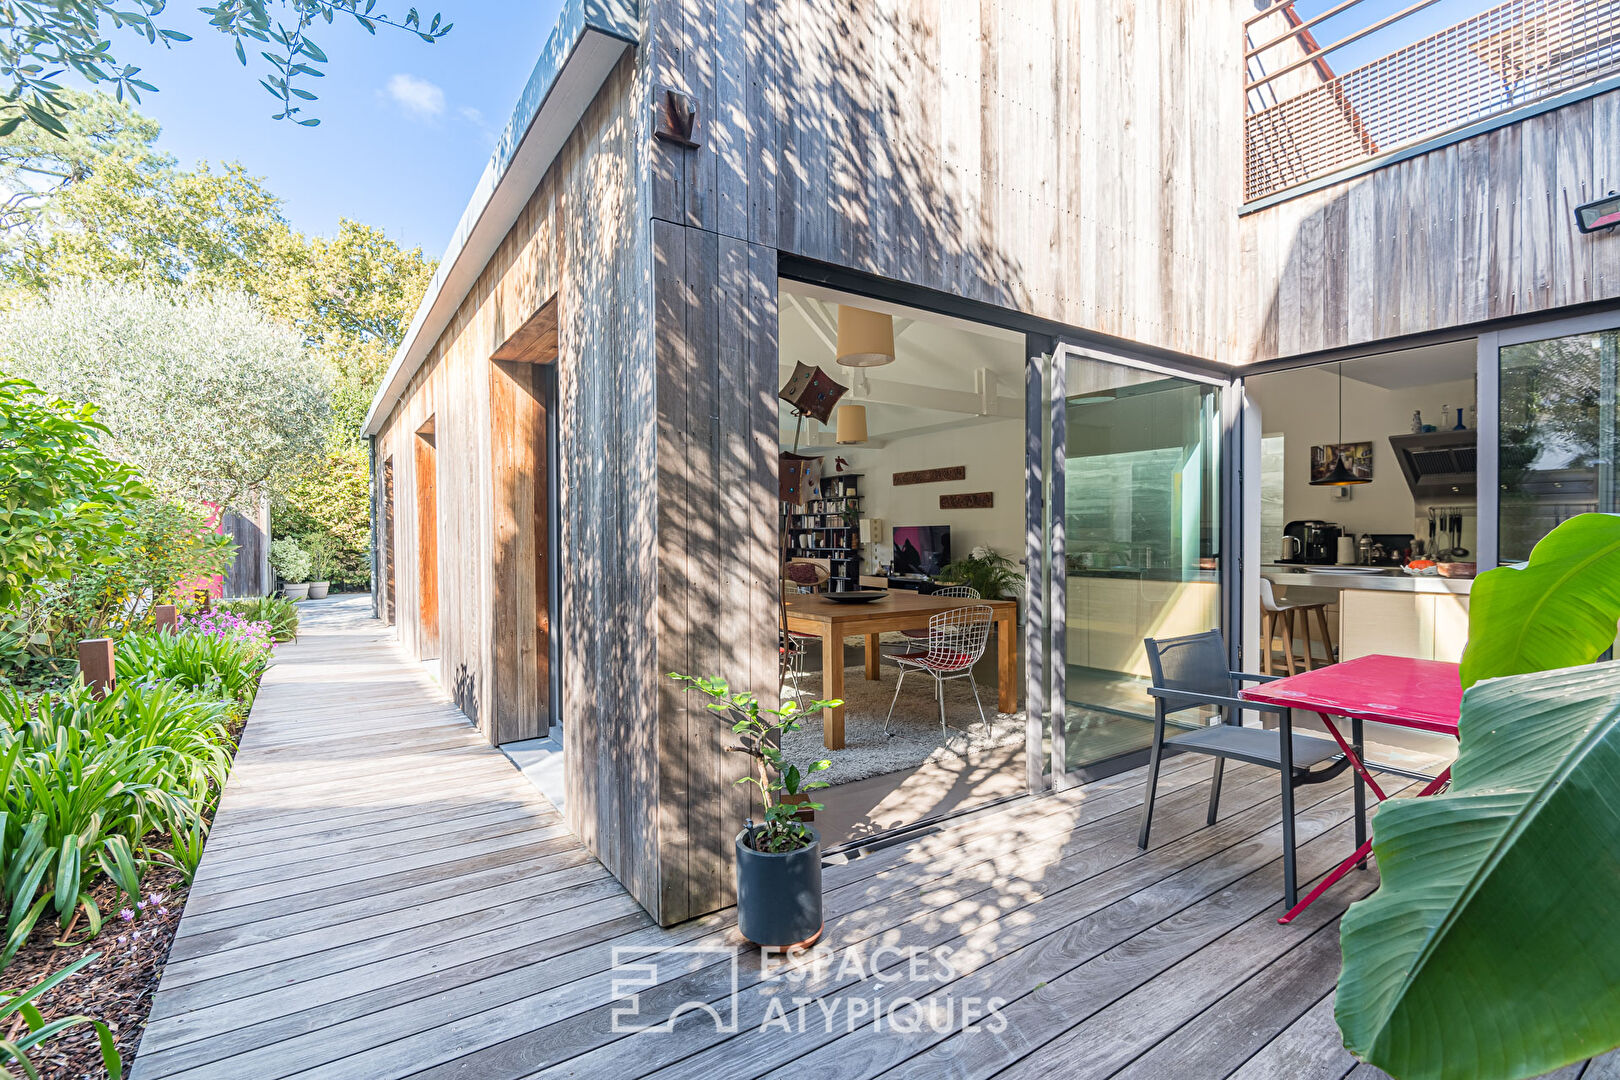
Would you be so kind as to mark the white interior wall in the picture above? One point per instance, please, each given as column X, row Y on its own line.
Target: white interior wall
column 993, row 453
column 1303, row 407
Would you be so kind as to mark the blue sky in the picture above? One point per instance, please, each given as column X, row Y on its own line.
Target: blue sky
column 406, row 127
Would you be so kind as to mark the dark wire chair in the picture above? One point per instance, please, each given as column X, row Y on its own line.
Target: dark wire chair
column 1190, row 672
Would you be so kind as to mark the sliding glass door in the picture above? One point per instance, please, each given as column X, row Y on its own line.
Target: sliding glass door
column 1136, row 516
column 1559, row 437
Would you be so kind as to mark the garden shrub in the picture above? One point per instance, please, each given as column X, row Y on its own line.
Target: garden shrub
column 280, row 613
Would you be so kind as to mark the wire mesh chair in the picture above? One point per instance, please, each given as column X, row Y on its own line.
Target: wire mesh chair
column 956, row 641
column 915, row 635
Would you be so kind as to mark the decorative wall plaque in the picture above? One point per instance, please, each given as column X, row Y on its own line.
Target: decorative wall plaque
column 975, row 500
column 931, row 476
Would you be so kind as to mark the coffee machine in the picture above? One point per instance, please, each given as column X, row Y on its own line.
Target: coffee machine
column 1312, row 543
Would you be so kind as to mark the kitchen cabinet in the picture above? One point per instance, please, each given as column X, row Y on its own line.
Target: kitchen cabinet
column 1427, row 626
column 1109, row 616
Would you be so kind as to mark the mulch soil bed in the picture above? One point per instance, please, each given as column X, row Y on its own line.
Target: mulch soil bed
column 116, row 987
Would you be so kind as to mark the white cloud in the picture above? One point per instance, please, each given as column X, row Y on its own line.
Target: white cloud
column 416, row 96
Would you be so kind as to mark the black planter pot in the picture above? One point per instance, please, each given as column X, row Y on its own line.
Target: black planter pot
column 779, row 894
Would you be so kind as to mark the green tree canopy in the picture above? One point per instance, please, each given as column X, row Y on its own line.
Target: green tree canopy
column 206, row 394
column 104, row 205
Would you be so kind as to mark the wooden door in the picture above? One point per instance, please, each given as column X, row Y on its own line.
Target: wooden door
column 427, row 540
column 386, row 527
column 521, row 600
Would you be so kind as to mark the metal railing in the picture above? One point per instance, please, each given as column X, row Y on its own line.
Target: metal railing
column 1305, row 121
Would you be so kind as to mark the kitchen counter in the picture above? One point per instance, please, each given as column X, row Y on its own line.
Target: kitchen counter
column 1390, row 580
column 1136, row 573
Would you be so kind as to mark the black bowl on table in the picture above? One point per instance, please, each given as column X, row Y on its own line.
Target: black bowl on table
column 857, row 596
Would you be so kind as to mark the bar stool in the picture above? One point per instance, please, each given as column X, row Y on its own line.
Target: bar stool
column 1279, row 615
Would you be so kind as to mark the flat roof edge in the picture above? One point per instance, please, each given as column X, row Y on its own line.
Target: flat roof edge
column 588, row 41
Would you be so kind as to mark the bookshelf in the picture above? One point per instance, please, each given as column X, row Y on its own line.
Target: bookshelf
column 828, row 527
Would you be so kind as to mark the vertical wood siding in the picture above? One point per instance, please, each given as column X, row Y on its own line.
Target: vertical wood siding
column 1081, row 162
column 1482, row 229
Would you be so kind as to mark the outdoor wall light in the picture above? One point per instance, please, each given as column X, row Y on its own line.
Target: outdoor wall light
column 1598, row 214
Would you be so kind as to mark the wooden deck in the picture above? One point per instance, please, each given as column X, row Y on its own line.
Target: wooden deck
column 384, row 896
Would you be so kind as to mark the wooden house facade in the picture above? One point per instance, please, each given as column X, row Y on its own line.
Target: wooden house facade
column 575, row 450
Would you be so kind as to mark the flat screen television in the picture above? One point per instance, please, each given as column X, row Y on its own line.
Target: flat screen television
column 921, row 549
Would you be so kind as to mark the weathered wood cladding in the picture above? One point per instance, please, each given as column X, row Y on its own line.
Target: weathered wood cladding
column 1079, row 162
column 249, row 573
column 581, row 241
column 716, row 319
column 1478, row 230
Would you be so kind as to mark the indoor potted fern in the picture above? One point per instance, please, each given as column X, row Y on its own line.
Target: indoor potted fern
column 778, row 857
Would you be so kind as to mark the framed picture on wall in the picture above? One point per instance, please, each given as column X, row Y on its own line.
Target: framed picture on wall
column 1339, row 463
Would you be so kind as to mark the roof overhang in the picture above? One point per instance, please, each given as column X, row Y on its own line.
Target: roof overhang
column 584, row 47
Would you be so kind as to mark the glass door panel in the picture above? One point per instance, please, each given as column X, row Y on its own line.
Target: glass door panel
column 1141, row 518
column 1558, row 435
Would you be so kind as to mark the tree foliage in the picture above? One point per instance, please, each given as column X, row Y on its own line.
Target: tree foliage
column 204, row 393
column 104, row 205
column 62, row 499
column 332, row 502
column 40, row 40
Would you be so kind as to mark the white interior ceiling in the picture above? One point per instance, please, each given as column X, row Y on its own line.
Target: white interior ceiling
column 948, row 373
column 1412, row 368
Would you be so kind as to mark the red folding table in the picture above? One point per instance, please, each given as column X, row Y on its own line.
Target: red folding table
column 1424, row 695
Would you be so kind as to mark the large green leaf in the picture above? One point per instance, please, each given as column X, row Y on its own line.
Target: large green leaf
column 1490, row 949
column 1559, row 610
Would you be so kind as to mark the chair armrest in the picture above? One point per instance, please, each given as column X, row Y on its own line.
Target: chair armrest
column 1244, row 676
column 1182, row 699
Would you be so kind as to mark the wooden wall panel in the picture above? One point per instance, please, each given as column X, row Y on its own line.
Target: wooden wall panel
column 715, row 323
column 249, row 573
column 1482, row 229
column 1074, row 161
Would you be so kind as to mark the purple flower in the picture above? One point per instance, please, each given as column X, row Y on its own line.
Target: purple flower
column 126, row 914
column 153, row 898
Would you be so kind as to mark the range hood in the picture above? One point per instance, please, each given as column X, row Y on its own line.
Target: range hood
column 1438, row 464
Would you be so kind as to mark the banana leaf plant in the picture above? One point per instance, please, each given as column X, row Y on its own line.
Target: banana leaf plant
column 1490, row 948
column 1558, row 610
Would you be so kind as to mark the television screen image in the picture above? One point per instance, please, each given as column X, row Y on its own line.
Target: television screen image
column 921, row 549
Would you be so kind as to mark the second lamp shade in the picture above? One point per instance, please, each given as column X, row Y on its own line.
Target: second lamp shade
column 865, row 338
column 852, row 423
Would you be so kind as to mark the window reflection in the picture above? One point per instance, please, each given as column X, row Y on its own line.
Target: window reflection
column 1558, row 435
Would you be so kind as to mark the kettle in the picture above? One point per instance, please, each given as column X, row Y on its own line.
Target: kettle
column 1293, row 548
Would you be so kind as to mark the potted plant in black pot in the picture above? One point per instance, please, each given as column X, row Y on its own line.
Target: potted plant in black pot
column 778, row 857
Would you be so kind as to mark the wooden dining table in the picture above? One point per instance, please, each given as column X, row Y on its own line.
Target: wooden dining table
column 832, row 621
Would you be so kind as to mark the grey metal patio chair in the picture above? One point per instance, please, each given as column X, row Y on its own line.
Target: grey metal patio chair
column 1189, row 672
column 956, row 640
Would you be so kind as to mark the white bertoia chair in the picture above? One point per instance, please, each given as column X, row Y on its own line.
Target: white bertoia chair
column 956, row 641
column 917, row 638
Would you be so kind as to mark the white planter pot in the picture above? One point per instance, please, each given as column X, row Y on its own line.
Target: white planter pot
column 317, row 589
column 296, row 592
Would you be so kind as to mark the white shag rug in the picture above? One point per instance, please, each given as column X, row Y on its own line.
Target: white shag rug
column 915, row 737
